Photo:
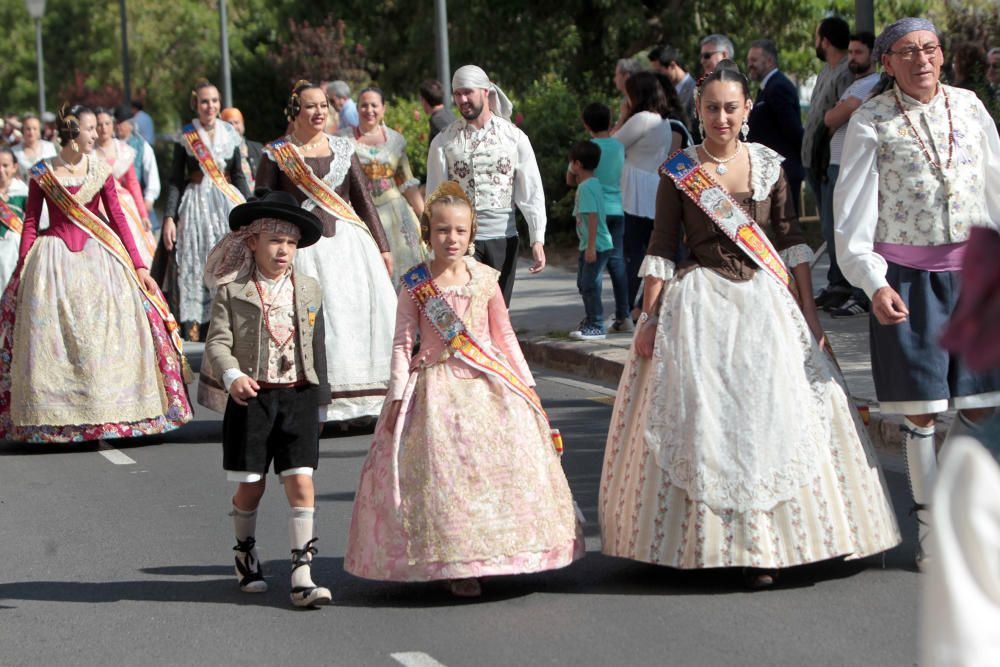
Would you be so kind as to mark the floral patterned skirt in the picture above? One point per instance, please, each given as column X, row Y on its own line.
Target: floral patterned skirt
column 84, row 356
column 689, row 478
column 402, row 229
column 467, row 485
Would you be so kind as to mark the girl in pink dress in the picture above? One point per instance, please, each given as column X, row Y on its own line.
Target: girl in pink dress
column 463, row 480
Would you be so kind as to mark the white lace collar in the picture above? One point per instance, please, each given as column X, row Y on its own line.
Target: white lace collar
column 225, row 140
column 765, row 167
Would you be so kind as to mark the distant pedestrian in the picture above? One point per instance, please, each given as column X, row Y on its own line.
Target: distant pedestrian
column 597, row 122
column 439, row 116
column 13, row 196
column 266, row 347
column 32, row 147
column 624, row 69
column 715, row 49
column 250, row 150
column 670, row 63
column 776, row 117
column 143, row 122
column 339, row 94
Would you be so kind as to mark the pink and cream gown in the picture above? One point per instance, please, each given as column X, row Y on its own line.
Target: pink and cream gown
column 130, row 198
column 468, row 484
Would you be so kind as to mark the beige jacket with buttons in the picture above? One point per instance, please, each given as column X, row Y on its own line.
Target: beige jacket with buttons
column 236, row 339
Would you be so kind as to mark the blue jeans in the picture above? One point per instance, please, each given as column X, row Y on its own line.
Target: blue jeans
column 616, row 266
column 589, row 277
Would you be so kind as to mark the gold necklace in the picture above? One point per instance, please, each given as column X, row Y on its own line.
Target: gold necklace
column 72, row 168
column 720, row 167
column 310, row 145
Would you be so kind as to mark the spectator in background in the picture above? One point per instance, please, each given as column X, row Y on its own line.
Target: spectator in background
column 143, row 122
column 250, row 151
column 714, row 49
column 993, row 70
column 32, row 147
column 968, row 67
column 775, row 118
column 339, row 94
column 669, row 62
column 145, row 161
column 438, row 115
column 49, row 130
column 11, row 130
column 862, row 66
column 832, row 38
column 624, row 69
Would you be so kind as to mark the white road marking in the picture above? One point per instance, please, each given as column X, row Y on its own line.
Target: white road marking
column 588, row 386
column 415, row 659
column 113, row 455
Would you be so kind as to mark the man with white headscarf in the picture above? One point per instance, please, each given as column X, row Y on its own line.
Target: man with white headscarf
column 494, row 163
column 920, row 168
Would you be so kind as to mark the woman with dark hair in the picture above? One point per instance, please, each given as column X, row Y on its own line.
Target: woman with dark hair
column 206, row 182
column 352, row 261
column 396, row 193
column 733, row 441
column 649, row 137
column 121, row 158
column 89, row 349
column 968, row 67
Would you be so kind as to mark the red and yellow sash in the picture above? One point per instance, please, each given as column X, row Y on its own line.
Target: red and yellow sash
column 446, row 322
column 9, row 218
column 288, row 159
column 208, row 165
column 726, row 213
column 99, row 230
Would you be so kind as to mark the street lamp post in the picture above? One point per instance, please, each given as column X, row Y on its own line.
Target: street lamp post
column 227, row 83
column 36, row 9
column 126, row 75
column 441, row 47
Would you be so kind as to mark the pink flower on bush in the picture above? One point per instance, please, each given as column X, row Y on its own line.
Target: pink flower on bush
column 416, row 114
column 518, row 118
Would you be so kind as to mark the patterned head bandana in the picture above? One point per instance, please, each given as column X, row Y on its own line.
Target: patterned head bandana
column 897, row 30
column 231, row 257
column 471, row 76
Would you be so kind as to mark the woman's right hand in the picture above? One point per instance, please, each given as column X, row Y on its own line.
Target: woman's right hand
column 645, row 337
column 169, row 233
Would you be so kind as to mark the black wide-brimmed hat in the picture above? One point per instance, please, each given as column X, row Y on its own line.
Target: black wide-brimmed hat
column 280, row 206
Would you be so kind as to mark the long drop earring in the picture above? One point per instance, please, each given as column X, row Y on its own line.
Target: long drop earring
column 745, row 130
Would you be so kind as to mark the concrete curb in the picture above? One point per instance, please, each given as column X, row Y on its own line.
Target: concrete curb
column 605, row 363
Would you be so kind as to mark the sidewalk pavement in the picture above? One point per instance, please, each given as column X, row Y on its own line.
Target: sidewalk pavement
column 547, row 306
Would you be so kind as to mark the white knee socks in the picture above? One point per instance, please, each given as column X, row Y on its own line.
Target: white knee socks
column 248, row 569
column 921, row 470
column 301, row 522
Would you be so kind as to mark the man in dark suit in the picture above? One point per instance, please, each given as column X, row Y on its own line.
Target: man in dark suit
column 775, row 119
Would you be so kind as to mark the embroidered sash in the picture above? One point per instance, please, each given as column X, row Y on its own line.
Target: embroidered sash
column 208, row 165
column 726, row 213
column 98, row 229
column 446, row 322
column 291, row 163
column 9, row 218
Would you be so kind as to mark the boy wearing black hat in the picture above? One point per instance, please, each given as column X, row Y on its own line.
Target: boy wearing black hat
column 265, row 349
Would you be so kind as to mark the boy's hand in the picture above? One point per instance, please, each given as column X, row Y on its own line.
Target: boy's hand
column 242, row 389
column 590, row 255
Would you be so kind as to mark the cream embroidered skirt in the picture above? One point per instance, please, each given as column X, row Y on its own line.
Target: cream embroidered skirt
column 736, row 445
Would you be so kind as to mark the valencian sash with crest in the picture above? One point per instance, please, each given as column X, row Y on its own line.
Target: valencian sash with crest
column 10, row 219
column 98, row 229
column 292, row 164
column 208, row 164
column 463, row 345
column 720, row 207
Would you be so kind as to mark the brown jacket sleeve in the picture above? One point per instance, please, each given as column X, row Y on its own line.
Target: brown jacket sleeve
column 668, row 224
column 363, row 205
column 267, row 174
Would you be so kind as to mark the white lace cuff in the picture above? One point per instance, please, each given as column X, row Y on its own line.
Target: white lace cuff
column 406, row 185
column 657, row 267
column 796, row 255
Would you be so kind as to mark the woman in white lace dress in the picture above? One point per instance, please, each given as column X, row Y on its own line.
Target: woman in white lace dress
column 196, row 215
column 396, row 193
column 733, row 442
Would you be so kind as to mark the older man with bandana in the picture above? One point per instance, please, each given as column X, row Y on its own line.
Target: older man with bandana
column 494, row 163
column 920, row 169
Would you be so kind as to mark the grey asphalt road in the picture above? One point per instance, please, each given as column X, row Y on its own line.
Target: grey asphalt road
column 129, row 563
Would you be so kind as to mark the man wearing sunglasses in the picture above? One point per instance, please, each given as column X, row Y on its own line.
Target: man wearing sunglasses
column 920, row 168
column 715, row 49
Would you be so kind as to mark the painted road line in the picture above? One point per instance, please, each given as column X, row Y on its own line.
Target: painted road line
column 578, row 384
column 415, row 659
column 112, row 454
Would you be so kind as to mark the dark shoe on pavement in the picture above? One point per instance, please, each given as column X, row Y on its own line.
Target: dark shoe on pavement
column 589, row 332
column 829, row 299
column 621, row 326
column 851, row 308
